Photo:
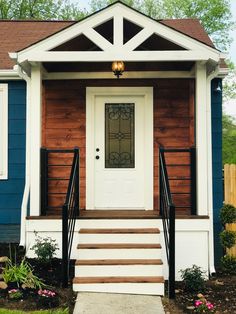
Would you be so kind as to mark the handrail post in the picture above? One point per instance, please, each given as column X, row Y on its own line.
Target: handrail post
column 44, row 180
column 193, row 181
column 172, row 253
column 65, row 246
column 160, row 182
column 77, row 182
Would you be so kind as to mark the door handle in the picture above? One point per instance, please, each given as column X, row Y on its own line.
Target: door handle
column 97, row 157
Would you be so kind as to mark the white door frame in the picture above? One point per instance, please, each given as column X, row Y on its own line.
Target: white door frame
column 147, row 93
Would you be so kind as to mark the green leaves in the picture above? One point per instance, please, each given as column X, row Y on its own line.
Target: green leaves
column 40, row 10
column 229, row 139
column 228, row 238
column 22, row 275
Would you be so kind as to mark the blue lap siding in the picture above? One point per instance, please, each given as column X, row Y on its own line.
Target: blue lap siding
column 11, row 190
column 216, row 111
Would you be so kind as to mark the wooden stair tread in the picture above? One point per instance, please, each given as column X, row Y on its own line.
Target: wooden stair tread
column 146, row 279
column 119, row 262
column 119, row 246
column 120, row 230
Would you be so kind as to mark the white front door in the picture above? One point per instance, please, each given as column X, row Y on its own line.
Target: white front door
column 121, row 149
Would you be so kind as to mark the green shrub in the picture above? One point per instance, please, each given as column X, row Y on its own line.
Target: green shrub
column 228, row 214
column 193, row 278
column 228, row 238
column 21, row 275
column 44, row 248
column 228, row 264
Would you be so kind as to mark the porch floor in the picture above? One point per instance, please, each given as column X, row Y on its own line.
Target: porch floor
column 119, row 214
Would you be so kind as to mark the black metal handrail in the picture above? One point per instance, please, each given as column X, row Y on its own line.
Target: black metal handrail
column 55, row 168
column 70, row 211
column 190, row 180
column 167, row 210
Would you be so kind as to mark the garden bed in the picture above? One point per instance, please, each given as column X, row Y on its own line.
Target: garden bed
column 220, row 291
column 31, row 299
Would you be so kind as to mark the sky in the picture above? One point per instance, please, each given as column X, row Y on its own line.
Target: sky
column 229, row 107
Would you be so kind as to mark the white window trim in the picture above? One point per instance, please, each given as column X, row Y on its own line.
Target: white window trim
column 3, row 131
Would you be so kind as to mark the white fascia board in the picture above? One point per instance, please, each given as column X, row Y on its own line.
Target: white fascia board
column 113, row 12
column 9, row 75
column 100, row 56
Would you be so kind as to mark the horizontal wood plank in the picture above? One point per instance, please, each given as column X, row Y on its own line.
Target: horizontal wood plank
column 84, row 280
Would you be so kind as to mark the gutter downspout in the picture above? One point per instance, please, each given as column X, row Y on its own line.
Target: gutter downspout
column 211, row 76
column 26, row 193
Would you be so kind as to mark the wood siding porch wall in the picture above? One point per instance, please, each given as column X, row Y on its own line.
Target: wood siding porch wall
column 64, row 118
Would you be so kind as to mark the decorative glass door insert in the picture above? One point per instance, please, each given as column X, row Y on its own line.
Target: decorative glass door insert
column 119, row 135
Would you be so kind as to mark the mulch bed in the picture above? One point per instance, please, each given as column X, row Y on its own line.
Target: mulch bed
column 220, row 290
column 51, row 275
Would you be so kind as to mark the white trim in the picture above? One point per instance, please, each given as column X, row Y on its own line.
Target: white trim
column 110, row 75
column 9, row 75
column 138, row 39
column 201, row 139
column 91, row 93
column 115, row 54
column 35, row 139
column 25, row 200
column 3, row 131
column 118, row 30
column 195, row 50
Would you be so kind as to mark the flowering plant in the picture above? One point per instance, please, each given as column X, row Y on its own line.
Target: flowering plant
column 203, row 306
column 46, row 293
column 15, row 294
column 47, row 298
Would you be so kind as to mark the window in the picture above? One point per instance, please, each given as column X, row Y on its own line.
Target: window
column 119, row 136
column 3, row 130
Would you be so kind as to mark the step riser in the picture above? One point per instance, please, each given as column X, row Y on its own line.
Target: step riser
column 119, row 253
column 132, row 288
column 118, row 270
column 119, row 238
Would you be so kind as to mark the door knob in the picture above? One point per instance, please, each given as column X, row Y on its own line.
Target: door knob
column 97, row 157
column 97, row 149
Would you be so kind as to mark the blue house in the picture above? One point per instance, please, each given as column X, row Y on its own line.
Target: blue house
column 141, row 101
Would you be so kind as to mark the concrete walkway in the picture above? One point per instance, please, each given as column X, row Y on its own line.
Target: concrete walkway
column 108, row 303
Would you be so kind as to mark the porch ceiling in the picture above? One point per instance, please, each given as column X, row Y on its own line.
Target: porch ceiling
column 106, row 66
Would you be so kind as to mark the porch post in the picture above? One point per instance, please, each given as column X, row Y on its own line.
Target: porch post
column 35, row 139
column 201, row 139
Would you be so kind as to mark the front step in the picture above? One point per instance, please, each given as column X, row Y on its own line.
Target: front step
column 131, row 285
column 116, row 260
column 118, row 267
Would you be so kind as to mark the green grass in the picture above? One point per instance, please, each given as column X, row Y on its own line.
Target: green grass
column 59, row 311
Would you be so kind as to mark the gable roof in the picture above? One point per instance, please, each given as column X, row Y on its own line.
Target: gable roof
column 17, row 35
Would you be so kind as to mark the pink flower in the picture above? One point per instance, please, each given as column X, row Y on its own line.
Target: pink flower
column 46, row 293
column 13, row 291
column 198, row 302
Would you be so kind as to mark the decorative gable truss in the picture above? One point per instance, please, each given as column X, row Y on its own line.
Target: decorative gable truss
column 118, row 33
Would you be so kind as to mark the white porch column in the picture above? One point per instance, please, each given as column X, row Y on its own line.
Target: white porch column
column 35, row 139
column 201, row 139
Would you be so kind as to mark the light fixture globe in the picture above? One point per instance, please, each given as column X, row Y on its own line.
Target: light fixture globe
column 118, row 68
